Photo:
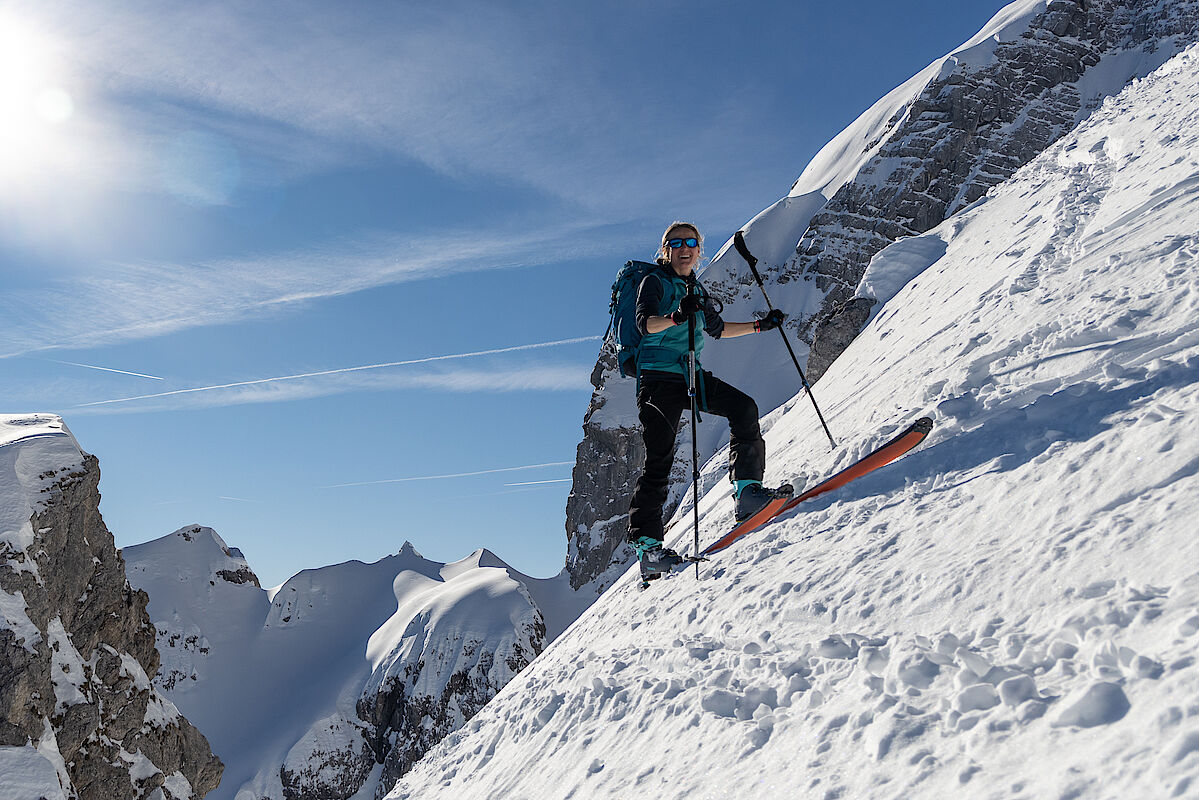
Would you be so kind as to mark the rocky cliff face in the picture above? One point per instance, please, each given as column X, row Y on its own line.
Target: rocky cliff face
column 932, row 147
column 994, row 108
column 78, row 714
column 610, row 454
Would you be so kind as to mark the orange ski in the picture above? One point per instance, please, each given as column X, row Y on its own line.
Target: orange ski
column 881, row 457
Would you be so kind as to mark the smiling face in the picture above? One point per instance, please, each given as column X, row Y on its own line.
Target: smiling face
column 683, row 260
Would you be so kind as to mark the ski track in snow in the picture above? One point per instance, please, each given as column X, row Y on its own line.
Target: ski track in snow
column 1010, row 611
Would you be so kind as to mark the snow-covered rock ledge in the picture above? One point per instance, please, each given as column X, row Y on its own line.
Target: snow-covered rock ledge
column 78, row 715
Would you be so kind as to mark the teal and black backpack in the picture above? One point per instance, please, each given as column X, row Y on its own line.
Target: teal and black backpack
column 623, row 326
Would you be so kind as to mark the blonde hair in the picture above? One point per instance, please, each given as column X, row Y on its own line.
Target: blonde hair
column 664, row 251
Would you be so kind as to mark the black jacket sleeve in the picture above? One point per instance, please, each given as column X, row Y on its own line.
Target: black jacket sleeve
column 649, row 300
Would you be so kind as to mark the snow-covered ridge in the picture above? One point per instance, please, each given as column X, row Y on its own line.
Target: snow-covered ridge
column 335, row 682
column 776, row 230
column 839, row 161
column 1012, row 610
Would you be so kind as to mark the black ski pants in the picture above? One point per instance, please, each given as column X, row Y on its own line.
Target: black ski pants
column 660, row 403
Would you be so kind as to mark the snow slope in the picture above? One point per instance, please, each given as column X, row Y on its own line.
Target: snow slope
column 296, row 687
column 919, row 155
column 1010, row 611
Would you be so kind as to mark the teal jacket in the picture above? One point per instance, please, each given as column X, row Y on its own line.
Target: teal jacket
column 659, row 295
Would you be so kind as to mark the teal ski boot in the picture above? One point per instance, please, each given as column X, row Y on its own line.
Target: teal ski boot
column 654, row 559
column 755, row 497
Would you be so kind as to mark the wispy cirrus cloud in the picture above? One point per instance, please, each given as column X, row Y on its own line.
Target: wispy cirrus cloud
column 128, row 302
column 554, row 96
column 197, row 101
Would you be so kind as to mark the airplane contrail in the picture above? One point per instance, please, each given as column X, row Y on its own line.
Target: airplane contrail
column 536, row 483
column 104, row 369
column 455, row 475
column 343, row 370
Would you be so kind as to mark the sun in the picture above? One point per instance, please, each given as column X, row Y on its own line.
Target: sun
column 35, row 105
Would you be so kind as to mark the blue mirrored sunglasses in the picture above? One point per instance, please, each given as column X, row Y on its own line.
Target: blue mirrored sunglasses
column 675, row 244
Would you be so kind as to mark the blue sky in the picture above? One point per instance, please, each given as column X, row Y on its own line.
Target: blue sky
column 214, row 194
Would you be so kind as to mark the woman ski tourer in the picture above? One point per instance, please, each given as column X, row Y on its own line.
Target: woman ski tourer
column 663, row 371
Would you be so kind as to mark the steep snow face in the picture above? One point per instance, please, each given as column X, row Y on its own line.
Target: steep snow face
column 1010, row 610
column 924, row 152
column 341, row 677
column 450, row 647
column 201, row 593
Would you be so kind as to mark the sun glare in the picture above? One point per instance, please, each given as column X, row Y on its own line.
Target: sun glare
column 35, row 106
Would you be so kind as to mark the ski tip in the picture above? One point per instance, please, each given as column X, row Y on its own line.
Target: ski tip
column 923, row 425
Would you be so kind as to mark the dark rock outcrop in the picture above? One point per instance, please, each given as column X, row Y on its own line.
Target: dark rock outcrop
column 608, row 458
column 78, row 677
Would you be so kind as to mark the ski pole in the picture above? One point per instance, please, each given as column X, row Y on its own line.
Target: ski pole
column 694, row 415
column 739, row 243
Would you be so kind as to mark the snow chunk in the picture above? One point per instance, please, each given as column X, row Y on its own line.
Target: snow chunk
column 1098, row 704
column 1015, row 691
column 978, row 697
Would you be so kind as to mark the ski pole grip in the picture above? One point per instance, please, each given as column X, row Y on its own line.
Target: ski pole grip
column 743, row 249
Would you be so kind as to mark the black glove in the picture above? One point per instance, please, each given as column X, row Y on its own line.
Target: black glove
column 770, row 321
column 688, row 306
